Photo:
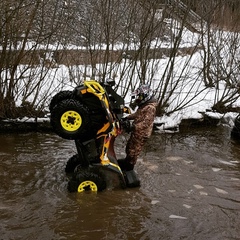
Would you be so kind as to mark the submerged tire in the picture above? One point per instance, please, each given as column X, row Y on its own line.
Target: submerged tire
column 235, row 133
column 63, row 95
column 72, row 163
column 86, row 180
column 70, row 119
column 237, row 122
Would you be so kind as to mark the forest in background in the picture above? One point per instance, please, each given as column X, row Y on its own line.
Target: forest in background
column 104, row 33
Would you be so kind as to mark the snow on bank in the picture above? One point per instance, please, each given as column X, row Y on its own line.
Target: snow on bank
column 190, row 93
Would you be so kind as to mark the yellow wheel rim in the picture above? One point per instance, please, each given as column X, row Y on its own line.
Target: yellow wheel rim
column 71, row 121
column 87, row 185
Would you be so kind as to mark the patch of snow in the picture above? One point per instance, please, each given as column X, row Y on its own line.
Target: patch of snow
column 176, row 217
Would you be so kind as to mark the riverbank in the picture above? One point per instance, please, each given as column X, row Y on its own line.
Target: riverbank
column 25, row 125
column 162, row 124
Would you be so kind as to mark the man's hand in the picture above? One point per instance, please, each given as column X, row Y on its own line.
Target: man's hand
column 126, row 124
column 124, row 119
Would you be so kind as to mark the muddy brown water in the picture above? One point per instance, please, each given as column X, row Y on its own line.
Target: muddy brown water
column 190, row 189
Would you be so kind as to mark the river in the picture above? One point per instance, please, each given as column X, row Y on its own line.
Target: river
column 190, row 189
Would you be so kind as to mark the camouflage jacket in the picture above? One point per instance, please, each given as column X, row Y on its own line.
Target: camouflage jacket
column 144, row 118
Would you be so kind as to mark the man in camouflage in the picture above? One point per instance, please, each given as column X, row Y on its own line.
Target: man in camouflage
column 143, row 120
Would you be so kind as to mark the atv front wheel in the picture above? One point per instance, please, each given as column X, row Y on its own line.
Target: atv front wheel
column 70, row 120
column 86, row 180
column 63, row 95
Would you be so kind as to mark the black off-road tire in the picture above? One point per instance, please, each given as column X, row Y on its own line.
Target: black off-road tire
column 235, row 133
column 237, row 122
column 72, row 163
column 70, row 119
column 63, row 95
column 86, row 179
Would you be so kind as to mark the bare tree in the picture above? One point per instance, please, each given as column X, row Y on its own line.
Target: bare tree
column 123, row 40
column 25, row 27
column 220, row 55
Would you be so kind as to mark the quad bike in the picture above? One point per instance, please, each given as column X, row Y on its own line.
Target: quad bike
column 91, row 116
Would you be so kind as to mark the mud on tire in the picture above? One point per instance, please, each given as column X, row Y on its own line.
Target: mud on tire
column 86, row 179
column 70, row 119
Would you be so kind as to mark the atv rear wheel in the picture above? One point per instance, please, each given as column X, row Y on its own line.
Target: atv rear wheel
column 63, row 95
column 86, row 180
column 237, row 122
column 72, row 163
column 70, row 120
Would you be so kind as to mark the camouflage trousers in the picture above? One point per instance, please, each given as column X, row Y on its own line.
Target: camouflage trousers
column 134, row 147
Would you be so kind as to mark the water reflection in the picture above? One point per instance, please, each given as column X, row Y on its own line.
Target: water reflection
column 189, row 190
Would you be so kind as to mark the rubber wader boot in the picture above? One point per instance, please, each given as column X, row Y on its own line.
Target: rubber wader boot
column 130, row 175
column 131, row 179
column 125, row 165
